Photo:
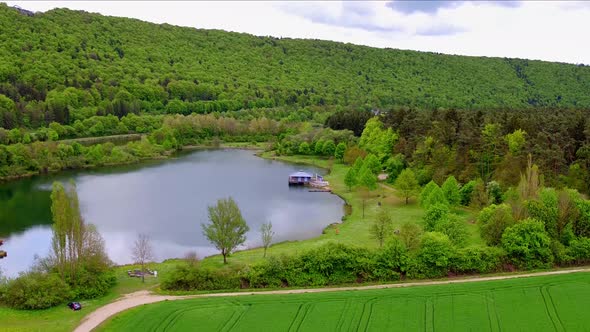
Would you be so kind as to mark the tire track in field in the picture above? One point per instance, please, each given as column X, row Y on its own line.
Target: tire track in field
column 493, row 318
column 344, row 315
column 132, row 300
column 365, row 318
column 232, row 322
column 299, row 318
column 550, row 309
column 429, row 314
column 171, row 318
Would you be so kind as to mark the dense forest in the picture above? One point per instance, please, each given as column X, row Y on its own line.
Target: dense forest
column 66, row 65
column 491, row 145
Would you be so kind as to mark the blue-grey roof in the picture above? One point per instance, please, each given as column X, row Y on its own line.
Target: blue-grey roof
column 300, row 174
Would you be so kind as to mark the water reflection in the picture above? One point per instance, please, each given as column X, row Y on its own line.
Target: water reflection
column 168, row 201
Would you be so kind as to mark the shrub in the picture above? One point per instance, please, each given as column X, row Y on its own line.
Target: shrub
column 434, row 214
column 493, row 220
column 579, row 250
column 454, row 228
column 186, row 277
column 36, row 291
column 436, row 251
column 91, row 285
column 334, row 263
column 450, row 189
column 527, row 245
column 477, row 260
column 392, row 261
column 466, row 192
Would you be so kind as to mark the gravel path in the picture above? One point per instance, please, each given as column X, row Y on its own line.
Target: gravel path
column 131, row 300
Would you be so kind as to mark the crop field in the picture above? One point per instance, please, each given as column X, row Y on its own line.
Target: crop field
column 547, row 303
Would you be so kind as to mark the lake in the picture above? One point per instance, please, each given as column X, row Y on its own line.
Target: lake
column 166, row 200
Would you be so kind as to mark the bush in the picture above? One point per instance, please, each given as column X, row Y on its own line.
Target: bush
column 450, row 189
column 434, row 214
column 332, row 264
column 466, row 192
column 579, row 250
column 477, row 260
column 37, row 291
column 270, row 273
column 454, row 228
column 392, row 262
column 527, row 245
column 91, row 285
column 434, row 256
column 493, row 220
column 189, row 277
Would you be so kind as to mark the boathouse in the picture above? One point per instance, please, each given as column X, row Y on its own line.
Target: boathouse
column 299, row 178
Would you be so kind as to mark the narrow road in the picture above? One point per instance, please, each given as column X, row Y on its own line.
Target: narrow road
column 131, row 300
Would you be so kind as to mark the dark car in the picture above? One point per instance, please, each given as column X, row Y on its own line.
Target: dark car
column 75, row 305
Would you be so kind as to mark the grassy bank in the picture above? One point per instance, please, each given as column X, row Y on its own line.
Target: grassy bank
column 354, row 229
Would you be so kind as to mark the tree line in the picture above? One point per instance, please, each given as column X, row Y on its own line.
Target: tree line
column 490, row 145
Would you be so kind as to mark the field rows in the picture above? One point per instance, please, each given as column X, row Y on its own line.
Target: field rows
column 550, row 303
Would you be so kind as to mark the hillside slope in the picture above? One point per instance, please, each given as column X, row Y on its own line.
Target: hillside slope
column 117, row 65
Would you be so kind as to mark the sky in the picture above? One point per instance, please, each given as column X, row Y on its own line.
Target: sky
column 542, row 30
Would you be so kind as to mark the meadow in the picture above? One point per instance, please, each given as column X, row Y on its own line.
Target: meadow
column 545, row 303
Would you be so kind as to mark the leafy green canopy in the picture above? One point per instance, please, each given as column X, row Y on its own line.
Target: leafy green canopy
column 226, row 228
column 61, row 64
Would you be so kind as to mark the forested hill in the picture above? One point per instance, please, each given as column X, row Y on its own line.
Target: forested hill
column 61, row 61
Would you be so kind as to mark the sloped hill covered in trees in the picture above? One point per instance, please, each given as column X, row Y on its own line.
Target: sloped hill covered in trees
column 64, row 65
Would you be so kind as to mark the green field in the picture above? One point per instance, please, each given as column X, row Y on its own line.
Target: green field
column 547, row 303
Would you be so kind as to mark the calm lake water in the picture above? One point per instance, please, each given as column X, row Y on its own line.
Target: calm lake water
column 168, row 201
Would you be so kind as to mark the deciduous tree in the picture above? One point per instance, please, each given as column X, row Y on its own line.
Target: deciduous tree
column 226, row 228
column 407, row 185
column 267, row 234
column 142, row 252
column 382, row 227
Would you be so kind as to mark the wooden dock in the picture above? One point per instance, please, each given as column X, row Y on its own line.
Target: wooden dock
column 320, row 190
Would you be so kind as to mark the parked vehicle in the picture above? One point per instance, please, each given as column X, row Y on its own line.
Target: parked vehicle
column 75, row 306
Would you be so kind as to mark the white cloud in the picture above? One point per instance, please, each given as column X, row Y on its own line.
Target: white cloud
column 552, row 31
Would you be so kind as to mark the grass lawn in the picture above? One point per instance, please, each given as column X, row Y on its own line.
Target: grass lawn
column 61, row 318
column 547, row 303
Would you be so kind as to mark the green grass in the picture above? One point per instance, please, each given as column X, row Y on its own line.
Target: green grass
column 61, row 318
column 355, row 229
column 547, row 303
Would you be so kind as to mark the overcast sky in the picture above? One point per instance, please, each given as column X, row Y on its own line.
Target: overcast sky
column 552, row 31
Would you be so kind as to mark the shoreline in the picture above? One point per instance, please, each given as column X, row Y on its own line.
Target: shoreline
column 169, row 154
column 258, row 152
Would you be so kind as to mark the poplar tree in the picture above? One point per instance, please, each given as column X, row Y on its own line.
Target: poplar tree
column 68, row 229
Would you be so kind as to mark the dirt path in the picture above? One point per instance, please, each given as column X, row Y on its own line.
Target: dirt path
column 144, row 297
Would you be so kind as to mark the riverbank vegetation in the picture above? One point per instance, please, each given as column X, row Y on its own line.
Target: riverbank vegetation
column 77, row 268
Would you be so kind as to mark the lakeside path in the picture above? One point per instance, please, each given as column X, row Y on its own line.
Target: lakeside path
column 131, row 300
